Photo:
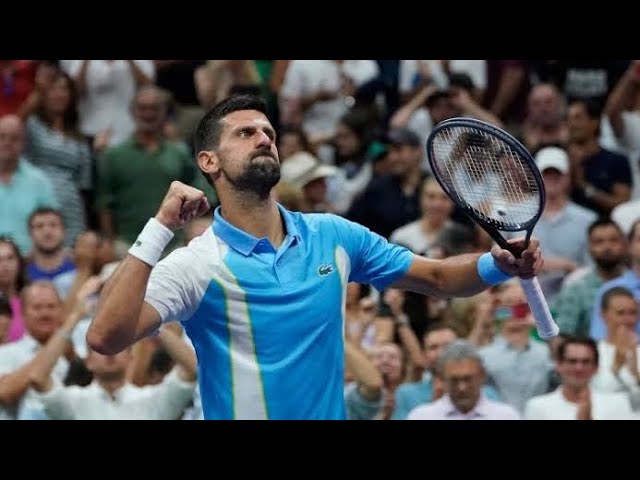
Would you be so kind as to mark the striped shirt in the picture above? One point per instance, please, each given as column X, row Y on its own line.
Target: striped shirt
column 268, row 324
column 66, row 161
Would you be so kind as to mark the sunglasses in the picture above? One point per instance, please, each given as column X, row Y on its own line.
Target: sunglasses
column 518, row 311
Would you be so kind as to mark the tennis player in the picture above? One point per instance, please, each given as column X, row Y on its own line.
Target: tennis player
column 261, row 293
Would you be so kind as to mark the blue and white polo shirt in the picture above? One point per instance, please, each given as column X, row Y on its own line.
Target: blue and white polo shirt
column 268, row 324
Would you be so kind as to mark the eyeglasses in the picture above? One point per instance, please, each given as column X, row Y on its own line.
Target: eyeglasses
column 576, row 361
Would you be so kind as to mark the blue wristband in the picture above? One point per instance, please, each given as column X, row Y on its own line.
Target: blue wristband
column 489, row 271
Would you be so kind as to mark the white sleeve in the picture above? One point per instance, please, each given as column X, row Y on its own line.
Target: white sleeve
column 532, row 410
column 173, row 289
column 56, row 402
column 148, row 68
column 71, row 67
column 293, row 84
column 172, row 396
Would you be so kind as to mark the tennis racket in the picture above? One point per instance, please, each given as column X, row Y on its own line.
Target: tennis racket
column 493, row 178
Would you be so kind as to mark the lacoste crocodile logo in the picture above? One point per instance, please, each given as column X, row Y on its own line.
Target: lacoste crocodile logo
column 325, row 269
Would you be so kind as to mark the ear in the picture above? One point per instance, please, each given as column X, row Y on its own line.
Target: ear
column 209, row 163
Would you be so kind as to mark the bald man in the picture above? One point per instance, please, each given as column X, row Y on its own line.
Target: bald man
column 23, row 187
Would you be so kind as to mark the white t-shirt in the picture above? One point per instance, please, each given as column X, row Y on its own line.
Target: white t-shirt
column 553, row 406
column 605, row 380
column 165, row 401
column 110, row 89
column 12, row 357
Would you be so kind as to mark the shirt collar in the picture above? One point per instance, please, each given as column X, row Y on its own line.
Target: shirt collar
column 242, row 241
column 480, row 410
column 29, row 343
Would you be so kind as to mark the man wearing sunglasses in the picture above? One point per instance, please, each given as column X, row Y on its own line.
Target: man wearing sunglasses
column 517, row 366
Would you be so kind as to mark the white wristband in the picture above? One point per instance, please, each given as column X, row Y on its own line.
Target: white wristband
column 151, row 242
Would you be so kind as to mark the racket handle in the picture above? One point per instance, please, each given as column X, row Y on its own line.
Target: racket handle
column 547, row 327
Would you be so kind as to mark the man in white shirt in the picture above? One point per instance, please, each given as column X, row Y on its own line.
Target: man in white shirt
column 42, row 310
column 577, row 363
column 110, row 396
column 461, row 370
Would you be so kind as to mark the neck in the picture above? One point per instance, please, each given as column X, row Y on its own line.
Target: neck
column 57, row 122
column 112, row 386
column 259, row 218
column 573, row 394
column 149, row 140
column 518, row 337
column 49, row 261
column 8, row 168
column 555, row 203
column 591, row 147
column 411, row 180
column 430, row 224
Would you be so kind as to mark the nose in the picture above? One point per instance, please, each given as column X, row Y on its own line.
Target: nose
column 264, row 140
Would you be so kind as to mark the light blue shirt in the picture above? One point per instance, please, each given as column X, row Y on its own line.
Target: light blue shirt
column 267, row 324
column 629, row 280
column 28, row 190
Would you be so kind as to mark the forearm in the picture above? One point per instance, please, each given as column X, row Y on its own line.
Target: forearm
column 106, row 224
column 45, row 361
column 402, row 116
column 139, row 76
column 452, row 277
column 116, row 322
column 13, row 385
column 508, row 89
column 617, row 100
column 409, row 340
column 366, row 374
column 181, row 353
column 81, row 78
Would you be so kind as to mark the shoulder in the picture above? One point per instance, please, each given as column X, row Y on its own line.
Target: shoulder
column 576, row 210
column 409, row 229
column 505, row 410
column 118, row 150
column 422, row 412
column 612, row 156
column 33, row 172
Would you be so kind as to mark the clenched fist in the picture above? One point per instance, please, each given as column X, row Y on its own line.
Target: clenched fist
column 181, row 205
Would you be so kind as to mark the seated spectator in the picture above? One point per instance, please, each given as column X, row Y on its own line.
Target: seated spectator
column 110, row 396
column 304, row 171
column 618, row 351
column 363, row 394
column 42, row 317
column 462, row 373
column 516, row 365
column 49, row 259
column 574, row 304
column 23, row 187
column 577, row 364
column 630, row 280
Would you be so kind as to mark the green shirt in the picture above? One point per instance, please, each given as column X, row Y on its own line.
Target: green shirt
column 132, row 182
column 574, row 304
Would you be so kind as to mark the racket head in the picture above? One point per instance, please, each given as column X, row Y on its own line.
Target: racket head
column 463, row 152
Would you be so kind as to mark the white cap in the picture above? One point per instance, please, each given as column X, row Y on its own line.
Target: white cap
column 553, row 157
column 302, row 168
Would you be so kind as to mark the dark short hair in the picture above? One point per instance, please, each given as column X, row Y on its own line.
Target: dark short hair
column 603, row 222
column 209, row 129
column 577, row 340
column 615, row 292
column 45, row 211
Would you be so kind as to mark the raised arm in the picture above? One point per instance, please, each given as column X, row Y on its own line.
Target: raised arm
column 181, row 353
column 45, row 361
column 123, row 317
column 459, row 276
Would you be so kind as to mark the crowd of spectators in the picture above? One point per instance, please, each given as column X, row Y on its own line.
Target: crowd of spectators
column 88, row 149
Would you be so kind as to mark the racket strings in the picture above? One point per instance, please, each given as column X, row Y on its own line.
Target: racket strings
column 487, row 174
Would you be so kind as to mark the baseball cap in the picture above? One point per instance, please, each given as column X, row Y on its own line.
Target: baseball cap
column 301, row 168
column 552, row 157
column 403, row 136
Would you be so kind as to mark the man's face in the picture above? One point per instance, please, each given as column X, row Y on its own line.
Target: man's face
column 47, row 233
column 42, row 311
column 607, row 246
column 544, row 106
column 578, row 366
column 435, row 342
column 581, row 127
column 248, row 157
column 463, row 380
column 11, row 140
column 403, row 159
column 149, row 111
